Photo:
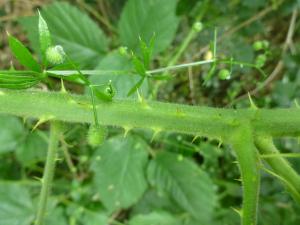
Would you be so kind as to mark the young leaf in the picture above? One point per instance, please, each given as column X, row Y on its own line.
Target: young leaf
column 123, row 82
column 22, row 54
column 147, row 51
column 75, row 78
column 138, row 65
column 104, row 92
column 80, row 36
column 136, row 86
column 45, row 37
column 19, row 79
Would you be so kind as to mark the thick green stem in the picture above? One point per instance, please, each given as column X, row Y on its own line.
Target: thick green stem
column 48, row 172
column 243, row 145
column 279, row 165
column 206, row 121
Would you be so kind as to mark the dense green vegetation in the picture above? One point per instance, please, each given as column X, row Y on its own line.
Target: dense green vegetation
column 156, row 112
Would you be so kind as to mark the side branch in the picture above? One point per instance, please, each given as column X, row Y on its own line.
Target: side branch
column 243, row 145
column 48, row 172
column 280, row 166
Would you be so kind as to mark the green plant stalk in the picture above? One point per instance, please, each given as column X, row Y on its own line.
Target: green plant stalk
column 48, row 172
column 191, row 35
column 126, row 72
column 243, row 145
column 280, row 166
column 206, row 121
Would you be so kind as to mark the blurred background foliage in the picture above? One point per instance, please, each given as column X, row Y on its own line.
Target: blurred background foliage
column 140, row 179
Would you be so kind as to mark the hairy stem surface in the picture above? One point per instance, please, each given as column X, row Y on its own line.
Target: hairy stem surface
column 280, row 166
column 48, row 171
column 243, row 145
column 206, row 121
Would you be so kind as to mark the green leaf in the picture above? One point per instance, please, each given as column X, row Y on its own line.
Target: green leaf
column 157, row 200
column 33, row 149
column 122, row 82
column 75, row 78
column 56, row 216
column 45, row 37
column 19, row 79
column 147, row 51
column 138, row 65
column 22, row 54
column 144, row 18
column 104, row 92
column 81, row 38
column 16, row 207
column 119, row 166
column 136, row 86
column 93, row 218
column 189, row 186
column 11, row 133
column 155, row 218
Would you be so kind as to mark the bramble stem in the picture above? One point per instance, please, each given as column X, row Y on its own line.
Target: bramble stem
column 279, row 165
column 243, row 145
column 203, row 121
column 48, row 172
column 234, row 126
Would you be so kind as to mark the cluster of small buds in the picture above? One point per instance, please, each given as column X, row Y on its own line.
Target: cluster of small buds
column 263, row 47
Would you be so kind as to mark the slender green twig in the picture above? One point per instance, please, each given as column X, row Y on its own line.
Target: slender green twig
column 184, row 45
column 48, row 172
column 283, row 155
column 123, row 72
column 70, row 164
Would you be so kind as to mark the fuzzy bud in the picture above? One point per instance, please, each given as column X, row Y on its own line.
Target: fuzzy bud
column 55, row 55
column 96, row 135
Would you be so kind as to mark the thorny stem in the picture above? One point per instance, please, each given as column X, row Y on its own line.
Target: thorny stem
column 205, row 121
column 48, row 172
column 243, row 145
column 279, row 165
column 233, row 126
